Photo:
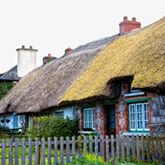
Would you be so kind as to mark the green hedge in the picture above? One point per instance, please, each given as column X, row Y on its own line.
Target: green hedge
column 48, row 126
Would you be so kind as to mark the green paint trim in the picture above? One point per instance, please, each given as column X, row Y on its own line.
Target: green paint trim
column 137, row 100
column 87, row 106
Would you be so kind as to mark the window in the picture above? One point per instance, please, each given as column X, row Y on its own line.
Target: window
column 138, row 117
column 59, row 114
column 89, row 118
column 15, row 121
column 133, row 90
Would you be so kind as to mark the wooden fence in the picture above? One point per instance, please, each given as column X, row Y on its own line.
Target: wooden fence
column 115, row 149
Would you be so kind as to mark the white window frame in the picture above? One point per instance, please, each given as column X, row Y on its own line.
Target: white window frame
column 93, row 118
column 143, row 117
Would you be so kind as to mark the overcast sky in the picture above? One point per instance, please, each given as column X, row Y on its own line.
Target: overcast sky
column 51, row 26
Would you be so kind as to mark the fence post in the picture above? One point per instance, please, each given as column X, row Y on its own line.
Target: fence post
column 112, row 149
column 67, row 147
column 147, row 145
column 85, row 144
column 43, row 151
column 122, row 149
column 128, row 149
column 90, row 144
column 61, row 149
column 36, row 151
column 107, row 148
column 142, row 144
column 133, row 147
column 16, row 150
column 101, row 146
column 3, row 151
column 23, row 151
column 73, row 147
column 96, row 146
column 55, row 150
column 11, row 151
column 49, row 151
column 117, row 149
column 30, row 152
column 138, row 147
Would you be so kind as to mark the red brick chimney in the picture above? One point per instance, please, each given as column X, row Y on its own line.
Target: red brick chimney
column 67, row 50
column 126, row 25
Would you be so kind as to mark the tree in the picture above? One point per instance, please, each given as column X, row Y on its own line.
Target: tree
column 5, row 86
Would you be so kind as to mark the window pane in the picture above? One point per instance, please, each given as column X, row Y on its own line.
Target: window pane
column 146, row 114
column 90, row 125
column 139, row 116
column 89, row 118
column 90, row 112
column 132, row 116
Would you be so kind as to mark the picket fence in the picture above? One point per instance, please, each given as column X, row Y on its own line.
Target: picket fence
column 115, row 149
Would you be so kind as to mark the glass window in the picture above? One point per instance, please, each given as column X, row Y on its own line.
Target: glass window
column 89, row 118
column 59, row 114
column 138, row 117
column 15, row 121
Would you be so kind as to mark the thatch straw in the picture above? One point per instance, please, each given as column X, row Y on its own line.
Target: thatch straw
column 141, row 55
column 44, row 87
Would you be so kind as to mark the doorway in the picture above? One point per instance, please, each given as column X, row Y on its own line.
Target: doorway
column 111, row 120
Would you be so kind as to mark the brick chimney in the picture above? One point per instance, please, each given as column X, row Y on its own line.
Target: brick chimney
column 48, row 58
column 26, row 60
column 127, row 25
column 67, row 50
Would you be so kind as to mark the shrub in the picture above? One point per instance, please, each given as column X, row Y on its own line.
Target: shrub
column 48, row 126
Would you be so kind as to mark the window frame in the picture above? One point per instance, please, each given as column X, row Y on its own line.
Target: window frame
column 93, row 118
column 136, row 121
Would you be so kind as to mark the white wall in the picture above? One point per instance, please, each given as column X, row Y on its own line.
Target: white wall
column 11, row 118
column 67, row 112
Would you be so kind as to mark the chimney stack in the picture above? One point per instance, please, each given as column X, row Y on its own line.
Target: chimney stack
column 48, row 58
column 67, row 50
column 26, row 60
column 127, row 25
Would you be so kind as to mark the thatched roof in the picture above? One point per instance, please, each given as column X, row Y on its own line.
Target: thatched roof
column 93, row 72
column 45, row 86
column 140, row 54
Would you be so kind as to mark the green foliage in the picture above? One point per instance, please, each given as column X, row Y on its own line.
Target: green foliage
column 5, row 87
column 4, row 129
column 48, row 126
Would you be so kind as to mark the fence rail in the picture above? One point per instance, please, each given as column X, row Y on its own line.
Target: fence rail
column 119, row 148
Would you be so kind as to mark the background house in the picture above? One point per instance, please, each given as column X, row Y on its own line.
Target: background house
column 26, row 63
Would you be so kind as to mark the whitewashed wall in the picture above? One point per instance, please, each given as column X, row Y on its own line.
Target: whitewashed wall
column 67, row 112
column 11, row 118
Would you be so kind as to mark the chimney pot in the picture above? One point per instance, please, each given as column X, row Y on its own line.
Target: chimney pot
column 125, row 18
column 49, row 55
column 23, row 46
column 134, row 19
column 31, row 47
column 67, row 50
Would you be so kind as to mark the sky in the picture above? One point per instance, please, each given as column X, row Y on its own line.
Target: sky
column 51, row 26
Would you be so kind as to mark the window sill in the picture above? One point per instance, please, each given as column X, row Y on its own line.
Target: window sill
column 87, row 132
column 136, row 133
column 134, row 94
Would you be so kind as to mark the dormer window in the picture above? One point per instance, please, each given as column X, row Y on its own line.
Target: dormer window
column 133, row 92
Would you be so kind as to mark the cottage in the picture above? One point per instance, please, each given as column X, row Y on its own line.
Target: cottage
column 115, row 84
column 26, row 63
